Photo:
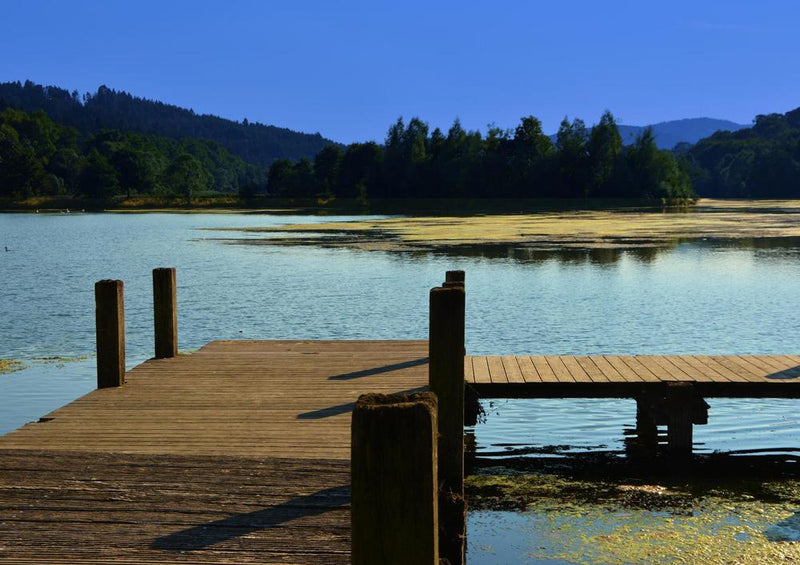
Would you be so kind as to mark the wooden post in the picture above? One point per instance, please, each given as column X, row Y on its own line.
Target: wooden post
column 454, row 278
column 110, row 332
column 446, row 379
column 680, row 397
column 165, row 312
column 646, row 426
column 394, row 513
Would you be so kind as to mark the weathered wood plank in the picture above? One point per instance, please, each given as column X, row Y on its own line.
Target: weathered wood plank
column 497, row 372
column 512, row 369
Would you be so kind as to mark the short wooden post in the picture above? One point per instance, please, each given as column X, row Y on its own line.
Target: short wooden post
column 165, row 312
column 454, row 278
column 680, row 397
column 394, row 513
column 446, row 379
column 110, row 333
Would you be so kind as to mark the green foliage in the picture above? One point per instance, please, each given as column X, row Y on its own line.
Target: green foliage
column 760, row 162
column 109, row 109
column 41, row 157
column 416, row 163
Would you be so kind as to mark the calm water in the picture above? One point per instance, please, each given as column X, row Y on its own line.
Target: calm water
column 692, row 298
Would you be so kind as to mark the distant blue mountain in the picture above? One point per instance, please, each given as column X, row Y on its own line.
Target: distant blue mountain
column 669, row 134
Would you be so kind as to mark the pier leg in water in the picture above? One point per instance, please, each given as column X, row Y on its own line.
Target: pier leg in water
column 680, row 399
column 165, row 312
column 646, row 427
column 394, row 513
column 110, row 333
column 446, row 379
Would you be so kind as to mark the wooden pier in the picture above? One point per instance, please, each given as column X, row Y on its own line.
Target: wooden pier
column 241, row 451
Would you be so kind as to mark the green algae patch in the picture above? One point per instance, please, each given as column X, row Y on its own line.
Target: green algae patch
column 10, row 365
column 59, row 361
column 620, row 522
column 623, row 228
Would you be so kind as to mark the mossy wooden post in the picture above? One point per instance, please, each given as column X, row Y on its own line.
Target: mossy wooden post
column 394, row 512
column 446, row 379
column 680, row 397
column 110, row 332
column 454, row 278
column 165, row 312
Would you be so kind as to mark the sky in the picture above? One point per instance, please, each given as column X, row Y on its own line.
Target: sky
column 349, row 69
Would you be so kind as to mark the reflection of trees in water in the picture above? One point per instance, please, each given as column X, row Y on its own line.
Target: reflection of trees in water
column 570, row 256
column 765, row 247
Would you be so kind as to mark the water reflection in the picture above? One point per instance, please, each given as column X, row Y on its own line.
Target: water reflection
column 762, row 248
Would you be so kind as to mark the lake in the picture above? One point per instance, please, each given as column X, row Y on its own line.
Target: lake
column 694, row 297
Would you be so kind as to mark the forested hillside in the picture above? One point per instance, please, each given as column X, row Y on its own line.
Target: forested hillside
column 758, row 162
column 523, row 163
column 108, row 109
column 41, row 157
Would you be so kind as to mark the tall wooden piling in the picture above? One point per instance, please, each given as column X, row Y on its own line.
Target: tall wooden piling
column 165, row 312
column 446, row 379
column 680, row 399
column 454, row 278
column 394, row 514
column 110, row 333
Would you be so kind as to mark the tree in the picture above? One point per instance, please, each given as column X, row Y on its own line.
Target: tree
column 531, row 151
column 573, row 174
column 603, row 151
column 98, row 178
column 279, row 179
column 186, row 176
column 326, row 169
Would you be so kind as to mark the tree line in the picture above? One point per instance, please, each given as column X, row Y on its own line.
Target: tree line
column 41, row 157
column 415, row 162
column 758, row 162
column 106, row 108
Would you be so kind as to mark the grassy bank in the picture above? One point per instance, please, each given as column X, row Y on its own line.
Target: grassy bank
column 320, row 206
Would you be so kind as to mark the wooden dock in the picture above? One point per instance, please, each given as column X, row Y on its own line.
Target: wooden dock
column 628, row 376
column 240, row 452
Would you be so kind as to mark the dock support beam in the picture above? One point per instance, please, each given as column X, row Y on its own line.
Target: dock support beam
column 394, row 513
column 680, row 399
column 446, row 380
column 165, row 312
column 646, row 426
column 110, row 333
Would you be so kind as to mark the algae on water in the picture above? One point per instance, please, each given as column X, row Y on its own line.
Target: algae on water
column 621, row 522
column 10, row 365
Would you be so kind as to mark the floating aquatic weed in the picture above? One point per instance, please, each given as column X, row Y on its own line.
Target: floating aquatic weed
column 746, row 522
column 58, row 360
column 10, row 365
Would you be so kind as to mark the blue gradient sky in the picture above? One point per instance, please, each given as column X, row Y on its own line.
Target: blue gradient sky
column 349, row 69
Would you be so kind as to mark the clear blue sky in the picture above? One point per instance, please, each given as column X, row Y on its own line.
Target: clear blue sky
column 349, row 69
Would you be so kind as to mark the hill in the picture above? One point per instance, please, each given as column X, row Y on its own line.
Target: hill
column 255, row 143
column 762, row 161
column 669, row 134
